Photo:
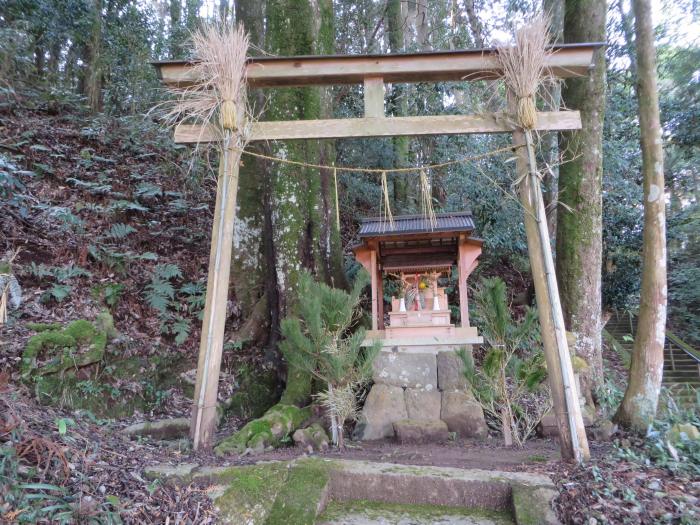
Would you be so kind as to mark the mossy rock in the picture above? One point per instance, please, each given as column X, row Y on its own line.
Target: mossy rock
column 251, row 493
column 300, row 498
column 78, row 373
column 273, row 493
column 313, row 436
column 268, row 431
column 67, row 391
column 681, row 432
column 43, row 327
column 63, row 345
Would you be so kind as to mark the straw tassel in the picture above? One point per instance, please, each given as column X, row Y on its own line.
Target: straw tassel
column 426, row 201
column 527, row 112
column 227, row 115
column 387, row 206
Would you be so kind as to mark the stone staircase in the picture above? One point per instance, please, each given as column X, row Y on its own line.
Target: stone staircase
column 681, row 361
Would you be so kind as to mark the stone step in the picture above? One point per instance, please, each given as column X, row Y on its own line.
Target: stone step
column 299, row 491
column 682, row 373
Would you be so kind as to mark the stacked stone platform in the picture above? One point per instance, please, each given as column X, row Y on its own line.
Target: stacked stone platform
column 427, row 386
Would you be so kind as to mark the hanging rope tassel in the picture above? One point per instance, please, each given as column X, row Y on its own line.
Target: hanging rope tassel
column 387, row 205
column 337, row 206
column 426, row 200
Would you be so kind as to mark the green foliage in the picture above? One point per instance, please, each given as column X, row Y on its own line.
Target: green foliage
column 11, row 185
column 174, row 304
column 110, row 293
column 318, row 339
column 62, row 276
column 120, row 231
column 510, row 381
column 680, row 456
column 609, row 396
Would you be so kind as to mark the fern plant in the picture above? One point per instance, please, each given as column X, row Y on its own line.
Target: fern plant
column 319, row 339
column 510, row 383
column 61, row 278
column 174, row 305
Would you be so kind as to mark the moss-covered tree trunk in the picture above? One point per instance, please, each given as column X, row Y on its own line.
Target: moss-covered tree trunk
column 579, row 216
column 286, row 214
column 639, row 405
column 398, row 100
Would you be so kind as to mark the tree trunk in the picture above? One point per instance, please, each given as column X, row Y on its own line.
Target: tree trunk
column 579, row 217
column 475, row 26
column 39, row 57
column 192, row 14
column 549, row 144
column 398, row 101
column 93, row 80
column 285, row 221
column 627, row 24
column 638, row 407
column 175, row 39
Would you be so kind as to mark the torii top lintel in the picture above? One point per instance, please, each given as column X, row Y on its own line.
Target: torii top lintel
column 567, row 60
column 374, row 71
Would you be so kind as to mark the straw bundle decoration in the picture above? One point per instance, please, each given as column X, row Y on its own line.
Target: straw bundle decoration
column 426, row 199
column 523, row 67
column 219, row 96
column 387, row 214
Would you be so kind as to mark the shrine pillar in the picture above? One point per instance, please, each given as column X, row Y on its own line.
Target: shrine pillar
column 467, row 255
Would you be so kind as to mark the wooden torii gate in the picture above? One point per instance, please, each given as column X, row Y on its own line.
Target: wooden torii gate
column 374, row 71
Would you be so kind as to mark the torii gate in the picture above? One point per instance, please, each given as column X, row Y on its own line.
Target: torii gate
column 373, row 71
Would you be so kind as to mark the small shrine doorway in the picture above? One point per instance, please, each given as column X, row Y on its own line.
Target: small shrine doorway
column 416, row 252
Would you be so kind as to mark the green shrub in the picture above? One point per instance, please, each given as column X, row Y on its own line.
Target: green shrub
column 509, row 384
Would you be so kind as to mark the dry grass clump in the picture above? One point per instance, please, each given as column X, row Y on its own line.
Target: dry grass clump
column 219, row 94
column 524, row 67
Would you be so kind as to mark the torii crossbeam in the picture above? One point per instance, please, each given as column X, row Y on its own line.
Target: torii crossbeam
column 374, row 71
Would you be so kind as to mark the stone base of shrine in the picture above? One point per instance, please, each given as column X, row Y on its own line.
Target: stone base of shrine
column 420, row 386
column 430, row 341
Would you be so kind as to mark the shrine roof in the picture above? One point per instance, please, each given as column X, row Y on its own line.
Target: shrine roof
column 378, row 227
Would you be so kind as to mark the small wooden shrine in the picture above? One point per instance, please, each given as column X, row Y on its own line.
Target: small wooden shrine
column 416, row 252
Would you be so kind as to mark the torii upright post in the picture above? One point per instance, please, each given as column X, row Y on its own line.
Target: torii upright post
column 572, row 432
column 211, row 344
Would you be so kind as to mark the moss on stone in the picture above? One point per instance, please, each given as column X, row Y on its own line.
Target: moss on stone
column 81, row 330
column 64, row 345
column 72, row 375
column 49, row 340
column 299, row 499
column 532, row 505
column 269, row 430
column 251, row 494
column 104, row 322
